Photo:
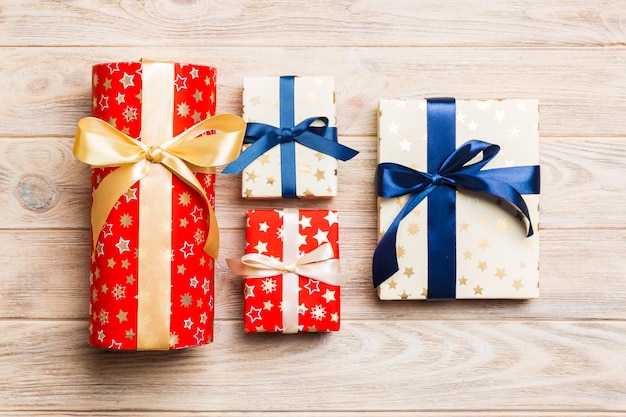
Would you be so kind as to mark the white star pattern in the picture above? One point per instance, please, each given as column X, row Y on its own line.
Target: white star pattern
column 514, row 132
column 193, row 282
column 472, row 126
column 180, row 82
column 302, row 240
column 193, row 73
column 206, row 286
column 122, row 245
column 305, row 222
column 329, row 296
column 188, row 323
column 332, row 217
column 187, row 250
column 196, row 214
column 499, row 116
column 321, row 236
column 393, row 127
column 254, row 314
column 107, row 230
column 115, row 345
column 199, row 336
column 203, row 318
column 263, row 227
column 261, row 247
column 312, row 286
column 405, row 145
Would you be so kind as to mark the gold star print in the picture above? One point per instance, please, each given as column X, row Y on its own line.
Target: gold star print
column 207, row 80
column 212, row 97
column 127, row 80
column 401, row 201
column 404, row 295
column 120, row 98
column 329, row 189
column 130, row 279
column 416, row 212
column 259, row 329
column 94, row 102
column 184, row 222
column 111, row 263
column 462, row 281
column 267, row 305
column 424, row 292
column 130, row 194
column 125, row 131
column 130, row 334
column 482, row 265
column 482, row 219
column 501, row 224
column 196, row 116
column 197, row 95
column 319, row 156
column 104, row 288
column 107, row 84
column 517, row 284
column 413, row 228
column 478, row 290
column 125, row 263
column 199, row 303
column 95, row 80
column 392, row 284
column 528, row 244
column 500, row 272
column 113, row 121
column 255, row 100
column 202, row 261
column 320, row 175
column 522, row 264
column 248, row 290
column 173, row 339
column 121, row 316
column 408, row 272
column 307, row 193
column 264, row 159
column 248, row 192
column 400, row 251
column 251, row 176
column 467, row 255
column 463, row 227
column 483, row 244
column 186, row 300
column 182, row 109
column 270, row 180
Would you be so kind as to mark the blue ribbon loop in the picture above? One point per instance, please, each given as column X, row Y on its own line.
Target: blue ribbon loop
column 264, row 137
column 447, row 174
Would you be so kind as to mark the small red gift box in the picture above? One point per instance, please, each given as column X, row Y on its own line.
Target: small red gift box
column 154, row 235
column 291, row 271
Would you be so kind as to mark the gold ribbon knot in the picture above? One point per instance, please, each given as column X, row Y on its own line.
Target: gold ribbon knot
column 101, row 145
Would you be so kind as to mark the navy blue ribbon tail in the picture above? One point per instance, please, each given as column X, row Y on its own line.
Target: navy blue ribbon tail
column 449, row 169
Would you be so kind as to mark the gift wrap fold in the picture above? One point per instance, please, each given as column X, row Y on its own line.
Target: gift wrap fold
column 152, row 146
column 291, row 139
column 458, row 185
column 291, row 271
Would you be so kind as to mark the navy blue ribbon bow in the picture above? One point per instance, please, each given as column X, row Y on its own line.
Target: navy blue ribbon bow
column 264, row 137
column 448, row 171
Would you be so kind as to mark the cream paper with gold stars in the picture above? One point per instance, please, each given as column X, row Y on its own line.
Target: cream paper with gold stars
column 316, row 173
column 495, row 259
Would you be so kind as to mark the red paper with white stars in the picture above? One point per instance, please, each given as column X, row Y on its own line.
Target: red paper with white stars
column 318, row 302
column 116, row 93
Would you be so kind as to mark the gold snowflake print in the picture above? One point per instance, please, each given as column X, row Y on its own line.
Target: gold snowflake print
column 184, row 199
column 186, row 300
column 126, row 220
column 182, row 109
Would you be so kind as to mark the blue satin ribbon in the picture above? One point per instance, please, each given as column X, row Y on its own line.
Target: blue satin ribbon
column 264, row 137
column 449, row 170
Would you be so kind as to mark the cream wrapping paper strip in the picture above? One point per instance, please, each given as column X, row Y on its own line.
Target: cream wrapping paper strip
column 319, row 264
column 152, row 162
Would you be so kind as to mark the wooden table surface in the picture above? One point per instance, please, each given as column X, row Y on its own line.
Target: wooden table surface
column 561, row 355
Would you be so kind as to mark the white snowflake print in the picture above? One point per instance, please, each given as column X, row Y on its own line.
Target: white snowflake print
column 119, row 292
column 318, row 312
column 268, row 285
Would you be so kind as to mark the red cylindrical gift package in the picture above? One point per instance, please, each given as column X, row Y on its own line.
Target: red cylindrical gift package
column 153, row 226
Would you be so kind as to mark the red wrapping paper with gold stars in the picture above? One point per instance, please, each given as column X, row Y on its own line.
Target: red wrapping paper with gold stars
column 114, row 278
column 316, row 303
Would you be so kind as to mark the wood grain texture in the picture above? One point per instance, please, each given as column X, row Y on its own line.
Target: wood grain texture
column 43, row 267
column 47, row 90
column 175, row 23
column 42, row 185
column 490, row 366
column 563, row 354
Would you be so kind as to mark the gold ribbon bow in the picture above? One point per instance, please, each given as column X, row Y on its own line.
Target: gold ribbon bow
column 319, row 264
column 101, row 145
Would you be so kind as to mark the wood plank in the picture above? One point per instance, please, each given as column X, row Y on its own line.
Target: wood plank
column 426, row 366
column 45, row 276
column 47, row 90
column 341, row 23
column 43, row 186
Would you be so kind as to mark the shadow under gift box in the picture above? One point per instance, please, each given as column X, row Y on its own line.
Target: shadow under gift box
column 151, row 282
